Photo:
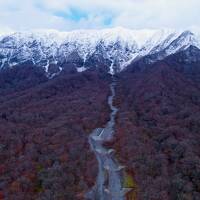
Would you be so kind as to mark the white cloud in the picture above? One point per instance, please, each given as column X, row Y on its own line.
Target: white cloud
column 32, row 14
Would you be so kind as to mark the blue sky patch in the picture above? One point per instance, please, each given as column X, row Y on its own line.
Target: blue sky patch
column 74, row 14
column 108, row 21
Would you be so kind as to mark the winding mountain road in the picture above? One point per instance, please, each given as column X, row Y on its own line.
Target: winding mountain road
column 109, row 181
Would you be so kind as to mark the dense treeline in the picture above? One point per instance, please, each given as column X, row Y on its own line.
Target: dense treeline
column 44, row 150
column 158, row 130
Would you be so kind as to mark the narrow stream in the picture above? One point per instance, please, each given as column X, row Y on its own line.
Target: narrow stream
column 109, row 181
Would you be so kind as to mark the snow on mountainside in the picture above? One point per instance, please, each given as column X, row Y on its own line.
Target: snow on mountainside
column 112, row 48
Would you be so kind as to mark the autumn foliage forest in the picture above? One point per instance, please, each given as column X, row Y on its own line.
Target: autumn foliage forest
column 44, row 127
column 158, row 128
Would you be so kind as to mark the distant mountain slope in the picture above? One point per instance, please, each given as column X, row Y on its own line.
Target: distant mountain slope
column 112, row 49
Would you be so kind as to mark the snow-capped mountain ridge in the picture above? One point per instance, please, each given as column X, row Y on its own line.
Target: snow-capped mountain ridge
column 112, row 48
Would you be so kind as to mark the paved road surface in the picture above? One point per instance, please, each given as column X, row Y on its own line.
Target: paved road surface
column 109, row 181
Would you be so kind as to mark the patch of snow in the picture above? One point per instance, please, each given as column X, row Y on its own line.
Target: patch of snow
column 55, row 62
column 60, row 68
column 13, row 64
column 81, row 69
column 3, row 62
column 111, row 71
column 119, row 45
column 46, row 67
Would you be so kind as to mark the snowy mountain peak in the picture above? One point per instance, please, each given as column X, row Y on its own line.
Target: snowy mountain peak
column 112, row 48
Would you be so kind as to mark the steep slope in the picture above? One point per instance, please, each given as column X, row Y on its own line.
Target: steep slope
column 44, row 150
column 20, row 78
column 112, row 49
column 158, row 127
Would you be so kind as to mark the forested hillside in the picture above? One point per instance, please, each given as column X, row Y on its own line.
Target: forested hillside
column 44, row 149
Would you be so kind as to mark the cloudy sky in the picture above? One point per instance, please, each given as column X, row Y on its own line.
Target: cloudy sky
column 83, row 14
